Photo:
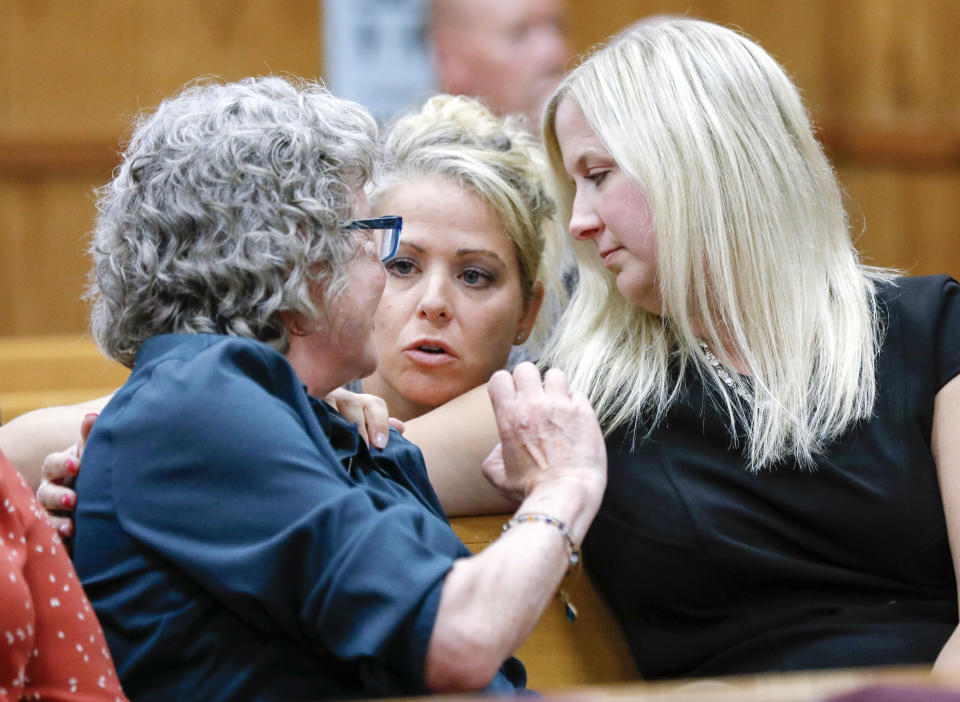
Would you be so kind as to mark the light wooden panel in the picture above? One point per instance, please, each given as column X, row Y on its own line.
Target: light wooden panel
column 43, row 266
column 907, row 219
column 69, row 68
column 882, row 79
column 893, row 60
column 85, row 68
column 72, row 76
column 39, row 371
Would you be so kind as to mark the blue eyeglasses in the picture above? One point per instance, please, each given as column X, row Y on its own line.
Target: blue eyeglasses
column 384, row 232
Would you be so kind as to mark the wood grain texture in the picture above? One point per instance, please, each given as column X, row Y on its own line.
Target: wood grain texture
column 65, row 369
column 559, row 653
column 72, row 76
column 881, row 78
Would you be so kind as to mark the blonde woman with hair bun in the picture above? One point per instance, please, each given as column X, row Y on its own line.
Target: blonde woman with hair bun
column 478, row 259
column 467, row 283
column 777, row 414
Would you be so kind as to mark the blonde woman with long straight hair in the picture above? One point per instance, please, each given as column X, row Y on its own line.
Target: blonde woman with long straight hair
column 776, row 412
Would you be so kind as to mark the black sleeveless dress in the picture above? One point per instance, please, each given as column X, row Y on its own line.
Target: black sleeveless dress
column 713, row 570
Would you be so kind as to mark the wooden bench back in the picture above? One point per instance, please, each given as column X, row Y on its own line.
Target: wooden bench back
column 560, row 653
column 40, row 371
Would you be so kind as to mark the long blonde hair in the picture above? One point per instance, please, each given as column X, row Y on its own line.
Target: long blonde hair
column 754, row 249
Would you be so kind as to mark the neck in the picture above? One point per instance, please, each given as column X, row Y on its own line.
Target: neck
column 397, row 405
column 726, row 351
column 320, row 378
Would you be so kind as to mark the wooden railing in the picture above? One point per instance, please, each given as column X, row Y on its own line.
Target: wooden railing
column 39, row 371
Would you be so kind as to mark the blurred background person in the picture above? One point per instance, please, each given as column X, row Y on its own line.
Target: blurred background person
column 509, row 53
column 389, row 55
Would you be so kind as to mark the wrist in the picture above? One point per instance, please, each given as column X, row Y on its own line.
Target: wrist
column 573, row 546
column 574, row 502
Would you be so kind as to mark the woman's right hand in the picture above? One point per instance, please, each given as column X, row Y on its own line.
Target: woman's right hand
column 58, row 473
column 368, row 412
column 551, row 442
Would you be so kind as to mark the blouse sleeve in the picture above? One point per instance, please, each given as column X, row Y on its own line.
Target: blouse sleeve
column 948, row 333
column 68, row 658
column 245, row 495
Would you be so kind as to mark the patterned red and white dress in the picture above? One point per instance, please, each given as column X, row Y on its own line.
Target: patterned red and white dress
column 51, row 644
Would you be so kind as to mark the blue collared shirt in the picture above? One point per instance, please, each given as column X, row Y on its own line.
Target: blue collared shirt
column 239, row 541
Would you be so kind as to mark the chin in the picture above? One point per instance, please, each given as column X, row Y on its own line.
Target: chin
column 366, row 367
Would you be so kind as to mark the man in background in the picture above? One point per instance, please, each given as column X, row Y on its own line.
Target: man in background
column 509, row 53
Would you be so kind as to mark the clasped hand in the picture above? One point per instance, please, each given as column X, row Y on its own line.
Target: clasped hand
column 549, row 437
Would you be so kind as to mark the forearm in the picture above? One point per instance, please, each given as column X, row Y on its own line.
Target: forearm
column 945, row 446
column 949, row 659
column 454, row 439
column 491, row 602
column 29, row 438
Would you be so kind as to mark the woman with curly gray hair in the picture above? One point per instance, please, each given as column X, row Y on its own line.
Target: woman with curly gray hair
column 480, row 247
column 235, row 535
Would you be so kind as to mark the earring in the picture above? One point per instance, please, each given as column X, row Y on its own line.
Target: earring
column 519, row 338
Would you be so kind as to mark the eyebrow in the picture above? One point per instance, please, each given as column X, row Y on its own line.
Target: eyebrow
column 483, row 252
column 460, row 252
column 584, row 156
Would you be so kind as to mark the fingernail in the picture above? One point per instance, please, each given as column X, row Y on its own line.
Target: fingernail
column 380, row 440
column 66, row 501
column 65, row 529
column 72, row 466
column 91, row 414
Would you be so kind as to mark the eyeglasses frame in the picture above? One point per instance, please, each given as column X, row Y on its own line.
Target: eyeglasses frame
column 393, row 223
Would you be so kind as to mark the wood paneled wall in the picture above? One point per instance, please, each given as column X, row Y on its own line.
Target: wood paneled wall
column 882, row 78
column 72, row 75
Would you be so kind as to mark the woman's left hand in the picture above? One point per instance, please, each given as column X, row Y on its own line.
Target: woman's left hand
column 59, row 471
column 368, row 412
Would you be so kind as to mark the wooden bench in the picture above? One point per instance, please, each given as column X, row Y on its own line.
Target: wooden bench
column 560, row 653
column 39, row 371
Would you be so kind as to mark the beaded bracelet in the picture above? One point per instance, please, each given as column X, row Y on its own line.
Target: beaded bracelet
column 571, row 611
column 547, row 519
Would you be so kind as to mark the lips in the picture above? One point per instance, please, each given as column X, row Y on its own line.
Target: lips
column 607, row 254
column 429, row 352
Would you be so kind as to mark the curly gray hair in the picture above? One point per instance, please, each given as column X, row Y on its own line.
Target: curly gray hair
column 226, row 210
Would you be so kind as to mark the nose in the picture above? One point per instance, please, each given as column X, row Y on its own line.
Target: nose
column 584, row 221
column 435, row 305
